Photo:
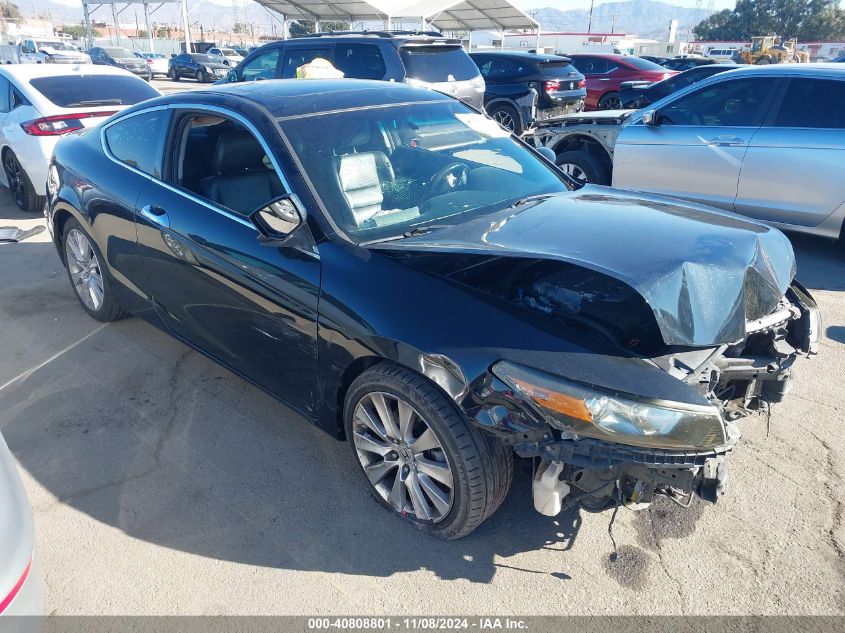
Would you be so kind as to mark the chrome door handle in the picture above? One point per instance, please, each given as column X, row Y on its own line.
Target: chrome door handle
column 156, row 215
column 726, row 140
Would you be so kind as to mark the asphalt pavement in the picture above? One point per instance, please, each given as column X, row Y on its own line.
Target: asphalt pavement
column 163, row 484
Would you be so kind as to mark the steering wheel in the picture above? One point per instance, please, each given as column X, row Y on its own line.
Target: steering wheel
column 449, row 178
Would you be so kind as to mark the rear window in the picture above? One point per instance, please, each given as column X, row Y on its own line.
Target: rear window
column 438, row 63
column 642, row 64
column 556, row 69
column 75, row 91
column 118, row 53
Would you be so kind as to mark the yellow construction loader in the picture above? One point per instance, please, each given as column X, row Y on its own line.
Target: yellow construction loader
column 768, row 49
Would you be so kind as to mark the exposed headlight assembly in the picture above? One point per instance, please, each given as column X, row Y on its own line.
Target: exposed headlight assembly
column 592, row 413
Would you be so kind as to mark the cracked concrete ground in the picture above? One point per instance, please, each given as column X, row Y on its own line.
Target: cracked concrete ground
column 163, row 484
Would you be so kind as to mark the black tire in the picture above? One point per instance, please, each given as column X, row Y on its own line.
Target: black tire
column 174, row 74
column 481, row 466
column 201, row 76
column 762, row 61
column 592, row 170
column 20, row 186
column 507, row 117
column 109, row 310
column 609, row 101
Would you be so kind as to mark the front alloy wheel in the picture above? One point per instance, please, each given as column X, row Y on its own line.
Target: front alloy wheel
column 402, row 457
column 419, row 454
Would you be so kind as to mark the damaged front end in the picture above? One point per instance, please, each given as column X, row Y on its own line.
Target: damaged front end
column 651, row 328
column 599, row 446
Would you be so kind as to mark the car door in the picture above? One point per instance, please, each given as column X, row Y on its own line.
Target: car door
column 28, row 51
column 791, row 172
column 250, row 305
column 695, row 146
column 299, row 55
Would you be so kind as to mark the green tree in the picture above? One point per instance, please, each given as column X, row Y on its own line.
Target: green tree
column 77, row 31
column 805, row 20
column 301, row 28
column 10, row 11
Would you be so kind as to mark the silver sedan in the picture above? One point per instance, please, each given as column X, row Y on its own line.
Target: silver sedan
column 767, row 142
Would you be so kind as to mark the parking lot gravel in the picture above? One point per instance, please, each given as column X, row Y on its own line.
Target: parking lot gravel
column 163, row 484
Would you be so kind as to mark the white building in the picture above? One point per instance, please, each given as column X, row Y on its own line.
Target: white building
column 566, row 42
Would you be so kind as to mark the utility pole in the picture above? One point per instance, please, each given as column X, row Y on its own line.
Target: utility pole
column 613, row 23
column 590, row 22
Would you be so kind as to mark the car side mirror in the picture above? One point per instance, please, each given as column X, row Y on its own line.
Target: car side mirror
column 547, row 153
column 232, row 76
column 649, row 118
column 279, row 219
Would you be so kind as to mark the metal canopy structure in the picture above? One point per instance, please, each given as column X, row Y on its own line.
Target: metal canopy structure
column 447, row 15
column 90, row 6
column 471, row 15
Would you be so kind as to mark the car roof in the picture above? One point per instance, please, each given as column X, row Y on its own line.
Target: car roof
column 522, row 55
column 286, row 97
column 828, row 70
column 24, row 72
column 602, row 55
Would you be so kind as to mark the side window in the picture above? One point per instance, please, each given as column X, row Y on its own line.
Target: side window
column 802, row 107
column 129, row 141
column 483, row 64
column 502, row 69
column 261, row 67
column 219, row 160
column 17, row 99
column 738, row 103
column 5, row 92
column 28, row 46
column 591, row 65
column 360, row 61
column 296, row 57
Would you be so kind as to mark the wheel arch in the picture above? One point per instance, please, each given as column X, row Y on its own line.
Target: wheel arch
column 440, row 370
column 585, row 143
column 505, row 101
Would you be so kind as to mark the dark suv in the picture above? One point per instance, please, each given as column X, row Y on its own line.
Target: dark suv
column 525, row 87
column 122, row 58
column 421, row 58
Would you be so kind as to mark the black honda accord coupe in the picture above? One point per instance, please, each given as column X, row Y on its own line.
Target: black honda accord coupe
column 415, row 280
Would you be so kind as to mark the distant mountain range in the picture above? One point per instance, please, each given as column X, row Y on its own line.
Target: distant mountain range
column 646, row 18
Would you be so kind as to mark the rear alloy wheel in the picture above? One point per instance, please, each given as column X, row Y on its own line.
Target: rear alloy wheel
column 583, row 167
column 508, row 118
column 20, row 185
column 174, row 74
column 420, row 457
column 610, row 101
column 87, row 275
column 201, row 76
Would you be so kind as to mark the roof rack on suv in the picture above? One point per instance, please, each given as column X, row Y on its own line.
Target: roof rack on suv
column 380, row 33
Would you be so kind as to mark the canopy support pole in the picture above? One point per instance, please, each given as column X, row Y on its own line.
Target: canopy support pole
column 149, row 27
column 185, row 26
column 116, row 25
column 89, row 36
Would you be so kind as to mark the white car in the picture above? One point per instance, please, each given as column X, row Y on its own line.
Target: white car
column 228, row 56
column 32, row 51
column 21, row 583
column 41, row 102
column 156, row 61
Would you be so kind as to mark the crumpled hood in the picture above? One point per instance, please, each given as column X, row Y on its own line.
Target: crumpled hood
column 703, row 273
column 49, row 50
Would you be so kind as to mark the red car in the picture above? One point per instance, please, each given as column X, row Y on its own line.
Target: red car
column 604, row 73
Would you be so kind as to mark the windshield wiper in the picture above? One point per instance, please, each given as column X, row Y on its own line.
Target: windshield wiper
column 417, row 230
column 537, row 197
column 96, row 102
